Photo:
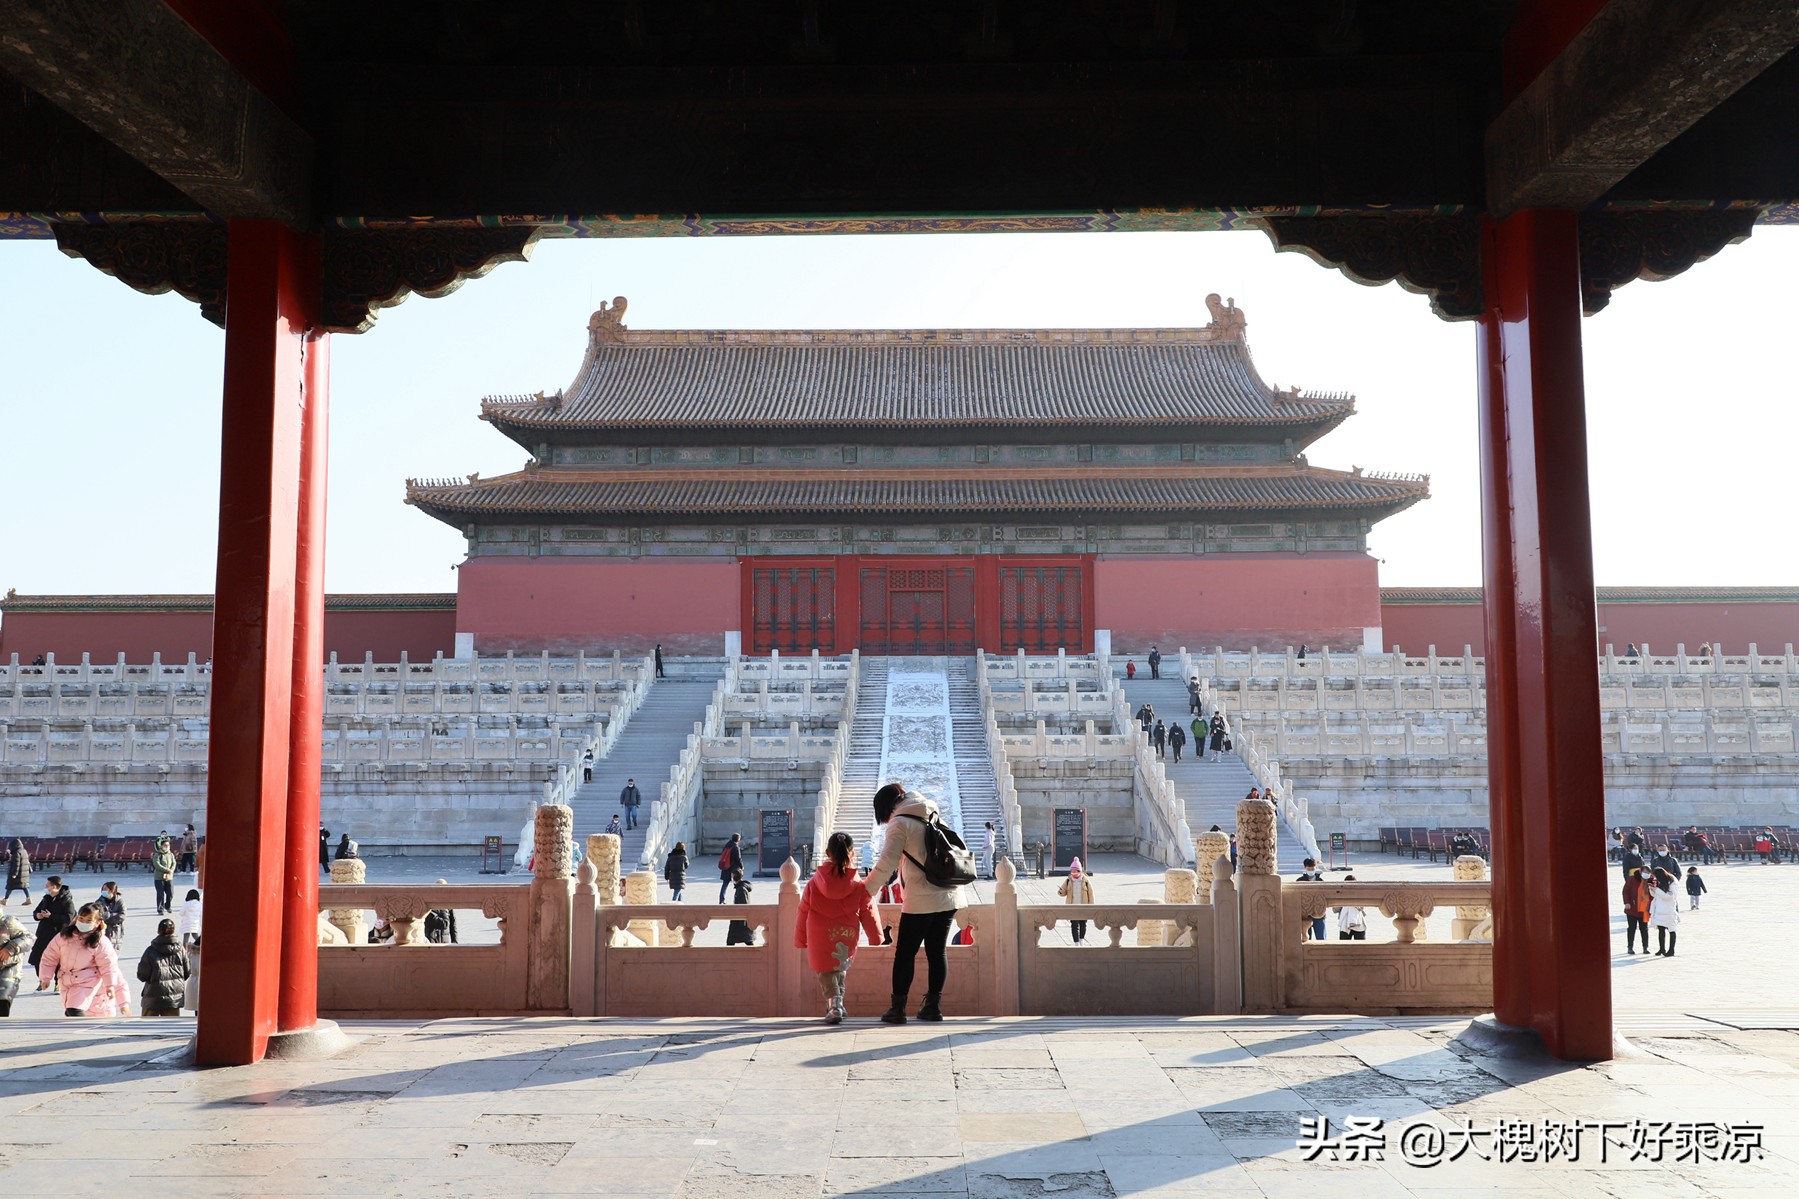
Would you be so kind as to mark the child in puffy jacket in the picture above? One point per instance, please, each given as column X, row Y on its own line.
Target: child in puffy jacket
column 835, row 908
column 82, row 963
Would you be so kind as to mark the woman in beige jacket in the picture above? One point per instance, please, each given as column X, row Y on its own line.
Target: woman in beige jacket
column 928, row 910
column 1077, row 888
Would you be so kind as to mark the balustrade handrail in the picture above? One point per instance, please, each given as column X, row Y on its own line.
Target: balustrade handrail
column 1011, row 813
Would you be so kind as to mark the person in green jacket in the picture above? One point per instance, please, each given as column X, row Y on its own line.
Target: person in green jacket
column 162, row 867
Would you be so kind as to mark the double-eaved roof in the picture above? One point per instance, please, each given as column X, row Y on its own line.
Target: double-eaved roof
column 851, row 494
column 841, row 383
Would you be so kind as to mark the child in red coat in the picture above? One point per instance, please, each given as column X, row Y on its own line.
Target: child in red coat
column 832, row 906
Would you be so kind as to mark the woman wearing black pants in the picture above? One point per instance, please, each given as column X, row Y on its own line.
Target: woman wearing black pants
column 928, row 911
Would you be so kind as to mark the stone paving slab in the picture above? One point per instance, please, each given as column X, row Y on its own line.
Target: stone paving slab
column 1027, row 1108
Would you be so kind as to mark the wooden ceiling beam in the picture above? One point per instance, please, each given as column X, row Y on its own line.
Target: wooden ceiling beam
column 142, row 78
column 1639, row 75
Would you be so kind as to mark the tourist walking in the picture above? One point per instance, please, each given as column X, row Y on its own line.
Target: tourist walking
column 1193, row 694
column 1159, row 738
column 1665, row 862
column 740, row 932
column 162, row 869
column 163, row 970
column 324, row 849
column 1218, row 731
column 587, row 766
column 18, row 872
column 15, row 946
column 82, row 964
column 989, row 843
column 1664, row 913
column 1155, row 662
column 927, row 909
column 190, row 846
column 1636, row 910
column 187, row 927
column 1176, row 739
column 835, row 910
column 112, row 904
column 440, row 923
column 1352, row 925
column 1695, row 887
column 1146, row 718
column 1311, row 874
column 613, row 827
column 674, row 870
column 730, row 863
column 865, row 857
column 54, row 912
column 1077, row 888
column 628, row 799
column 659, row 673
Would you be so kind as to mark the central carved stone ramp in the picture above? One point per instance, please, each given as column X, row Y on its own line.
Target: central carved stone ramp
column 650, row 745
column 1209, row 790
column 974, row 768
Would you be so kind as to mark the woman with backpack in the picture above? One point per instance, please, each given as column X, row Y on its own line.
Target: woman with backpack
column 834, row 910
column 730, row 862
column 913, row 837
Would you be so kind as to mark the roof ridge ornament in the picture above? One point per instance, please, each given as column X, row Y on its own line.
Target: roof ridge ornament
column 608, row 324
column 1228, row 321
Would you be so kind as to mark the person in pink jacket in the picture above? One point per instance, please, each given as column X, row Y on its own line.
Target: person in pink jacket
column 86, row 967
column 833, row 905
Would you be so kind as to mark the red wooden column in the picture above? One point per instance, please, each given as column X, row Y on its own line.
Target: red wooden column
column 299, row 993
column 1552, row 901
column 268, row 274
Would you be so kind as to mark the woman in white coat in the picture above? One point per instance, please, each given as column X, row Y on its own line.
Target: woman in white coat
column 1664, row 913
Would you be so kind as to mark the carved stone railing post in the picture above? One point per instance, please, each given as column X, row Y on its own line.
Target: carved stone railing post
column 793, row 980
column 1178, row 886
column 552, row 908
column 1469, row 868
column 583, row 994
column 640, row 888
column 605, row 851
column 1259, row 905
column 349, row 920
column 1004, row 939
column 1206, row 849
column 1151, row 933
column 1227, row 946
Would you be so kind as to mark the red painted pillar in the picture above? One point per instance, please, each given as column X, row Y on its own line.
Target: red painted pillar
column 253, row 632
column 1552, row 900
column 299, row 994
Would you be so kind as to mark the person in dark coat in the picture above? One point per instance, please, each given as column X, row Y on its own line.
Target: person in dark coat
column 1217, row 735
column 18, row 871
column 163, row 971
column 1159, row 737
column 1155, row 662
column 628, row 799
column 113, row 905
column 54, row 913
column 659, row 673
column 675, row 870
column 1176, row 739
column 730, row 865
column 740, row 932
column 346, row 848
column 1193, row 694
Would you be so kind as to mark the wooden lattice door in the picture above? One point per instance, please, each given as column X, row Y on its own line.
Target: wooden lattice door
column 1041, row 609
column 793, row 609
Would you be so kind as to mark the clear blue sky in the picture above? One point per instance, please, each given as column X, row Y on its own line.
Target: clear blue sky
column 111, row 398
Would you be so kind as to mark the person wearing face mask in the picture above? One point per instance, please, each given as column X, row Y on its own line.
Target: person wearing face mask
column 1636, row 909
column 83, row 963
column 15, row 943
column 113, row 905
column 54, row 912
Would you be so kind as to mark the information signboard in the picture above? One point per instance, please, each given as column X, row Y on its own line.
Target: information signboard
column 776, row 843
column 1068, row 837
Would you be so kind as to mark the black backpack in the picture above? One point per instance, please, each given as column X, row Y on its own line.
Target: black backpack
column 947, row 860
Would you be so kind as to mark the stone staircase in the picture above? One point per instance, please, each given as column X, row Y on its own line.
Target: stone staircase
column 862, row 769
column 646, row 750
column 976, row 786
column 1209, row 790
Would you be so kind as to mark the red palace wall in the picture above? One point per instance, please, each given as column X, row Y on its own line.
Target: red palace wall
column 534, row 604
column 1268, row 600
column 141, row 633
column 1730, row 625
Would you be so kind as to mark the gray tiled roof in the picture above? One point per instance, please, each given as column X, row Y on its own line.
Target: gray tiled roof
column 853, row 493
column 898, row 379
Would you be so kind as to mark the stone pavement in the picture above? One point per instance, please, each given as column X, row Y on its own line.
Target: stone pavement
column 1079, row 1109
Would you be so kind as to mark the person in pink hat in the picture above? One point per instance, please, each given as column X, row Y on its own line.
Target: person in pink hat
column 1076, row 888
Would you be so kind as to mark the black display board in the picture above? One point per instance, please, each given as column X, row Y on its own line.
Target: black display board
column 776, row 844
column 1068, row 837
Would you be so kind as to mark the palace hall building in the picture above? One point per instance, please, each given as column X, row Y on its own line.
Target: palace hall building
column 917, row 492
